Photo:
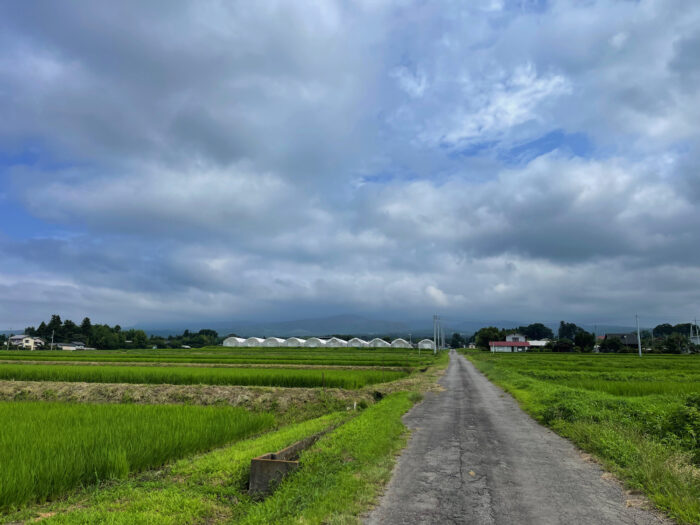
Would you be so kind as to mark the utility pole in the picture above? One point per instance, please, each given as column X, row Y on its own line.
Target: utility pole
column 639, row 339
column 52, row 339
column 434, row 334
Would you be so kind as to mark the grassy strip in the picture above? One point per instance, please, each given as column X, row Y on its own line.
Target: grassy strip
column 650, row 440
column 340, row 476
column 290, row 377
column 49, row 448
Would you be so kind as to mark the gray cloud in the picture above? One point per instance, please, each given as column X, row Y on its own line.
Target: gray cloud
column 215, row 160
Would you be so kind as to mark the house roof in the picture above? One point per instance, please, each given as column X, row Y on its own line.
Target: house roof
column 509, row 343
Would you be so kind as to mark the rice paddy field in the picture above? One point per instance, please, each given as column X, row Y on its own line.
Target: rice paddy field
column 54, row 453
column 282, row 377
column 639, row 416
column 221, row 355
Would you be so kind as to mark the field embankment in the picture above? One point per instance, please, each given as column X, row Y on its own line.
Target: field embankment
column 639, row 417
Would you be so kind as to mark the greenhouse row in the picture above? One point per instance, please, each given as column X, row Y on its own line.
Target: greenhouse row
column 316, row 342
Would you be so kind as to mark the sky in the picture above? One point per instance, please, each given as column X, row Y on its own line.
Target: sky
column 533, row 160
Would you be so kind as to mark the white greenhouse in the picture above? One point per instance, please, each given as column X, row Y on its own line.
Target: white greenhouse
column 234, row 341
column 274, row 342
column 336, row 342
column 254, row 341
column 400, row 343
column 379, row 343
column 356, row 342
column 294, row 342
column 426, row 344
column 315, row 342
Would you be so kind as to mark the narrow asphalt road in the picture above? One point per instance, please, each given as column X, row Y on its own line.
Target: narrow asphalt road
column 475, row 457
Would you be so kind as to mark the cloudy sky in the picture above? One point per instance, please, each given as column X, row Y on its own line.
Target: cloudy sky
column 491, row 159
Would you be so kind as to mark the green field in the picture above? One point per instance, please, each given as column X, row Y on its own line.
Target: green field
column 224, row 355
column 174, row 375
column 639, row 416
column 49, row 448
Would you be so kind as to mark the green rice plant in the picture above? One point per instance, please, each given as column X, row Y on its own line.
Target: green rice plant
column 282, row 377
column 49, row 448
column 222, row 355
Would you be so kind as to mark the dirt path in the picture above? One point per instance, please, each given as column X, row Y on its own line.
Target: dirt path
column 475, row 457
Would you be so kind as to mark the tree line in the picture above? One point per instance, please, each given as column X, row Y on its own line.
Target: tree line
column 105, row 337
column 663, row 338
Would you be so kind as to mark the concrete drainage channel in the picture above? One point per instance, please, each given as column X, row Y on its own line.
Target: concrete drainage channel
column 268, row 470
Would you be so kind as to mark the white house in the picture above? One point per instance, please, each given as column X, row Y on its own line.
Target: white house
column 400, row 343
column 518, row 338
column 509, row 346
column 294, row 342
column 254, row 341
column 234, row 341
column 26, row 341
column 315, row 342
column 356, row 342
column 336, row 342
column 273, row 342
column 426, row 344
column 379, row 343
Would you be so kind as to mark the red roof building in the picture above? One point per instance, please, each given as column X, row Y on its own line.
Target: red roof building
column 509, row 346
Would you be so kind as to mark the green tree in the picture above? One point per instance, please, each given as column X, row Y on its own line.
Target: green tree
column 457, row 341
column 563, row 345
column 612, row 345
column 86, row 329
column 677, row 344
column 536, row 331
column 54, row 326
column 568, row 330
column 584, row 340
column 489, row 333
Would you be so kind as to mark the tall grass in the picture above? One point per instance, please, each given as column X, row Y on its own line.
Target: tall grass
column 283, row 377
column 49, row 448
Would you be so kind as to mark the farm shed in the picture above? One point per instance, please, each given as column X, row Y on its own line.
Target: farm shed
column 400, row 343
column 379, row 343
column 254, row 341
column 356, row 342
column 426, row 344
column 274, row 342
column 234, row 341
column 336, row 342
column 294, row 342
column 315, row 342
column 509, row 346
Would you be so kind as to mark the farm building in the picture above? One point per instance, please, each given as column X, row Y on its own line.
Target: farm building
column 518, row 338
column 274, row 342
column 26, row 341
column 426, row 344
column 336, row 342
column 539, row 344
column 379, row 343
column 234, row 341
column 356, row 342
column 400, row 343
column 294, row 342
column 254, row 341
column 315, row 342
column 626, row 339
column 509, row 346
